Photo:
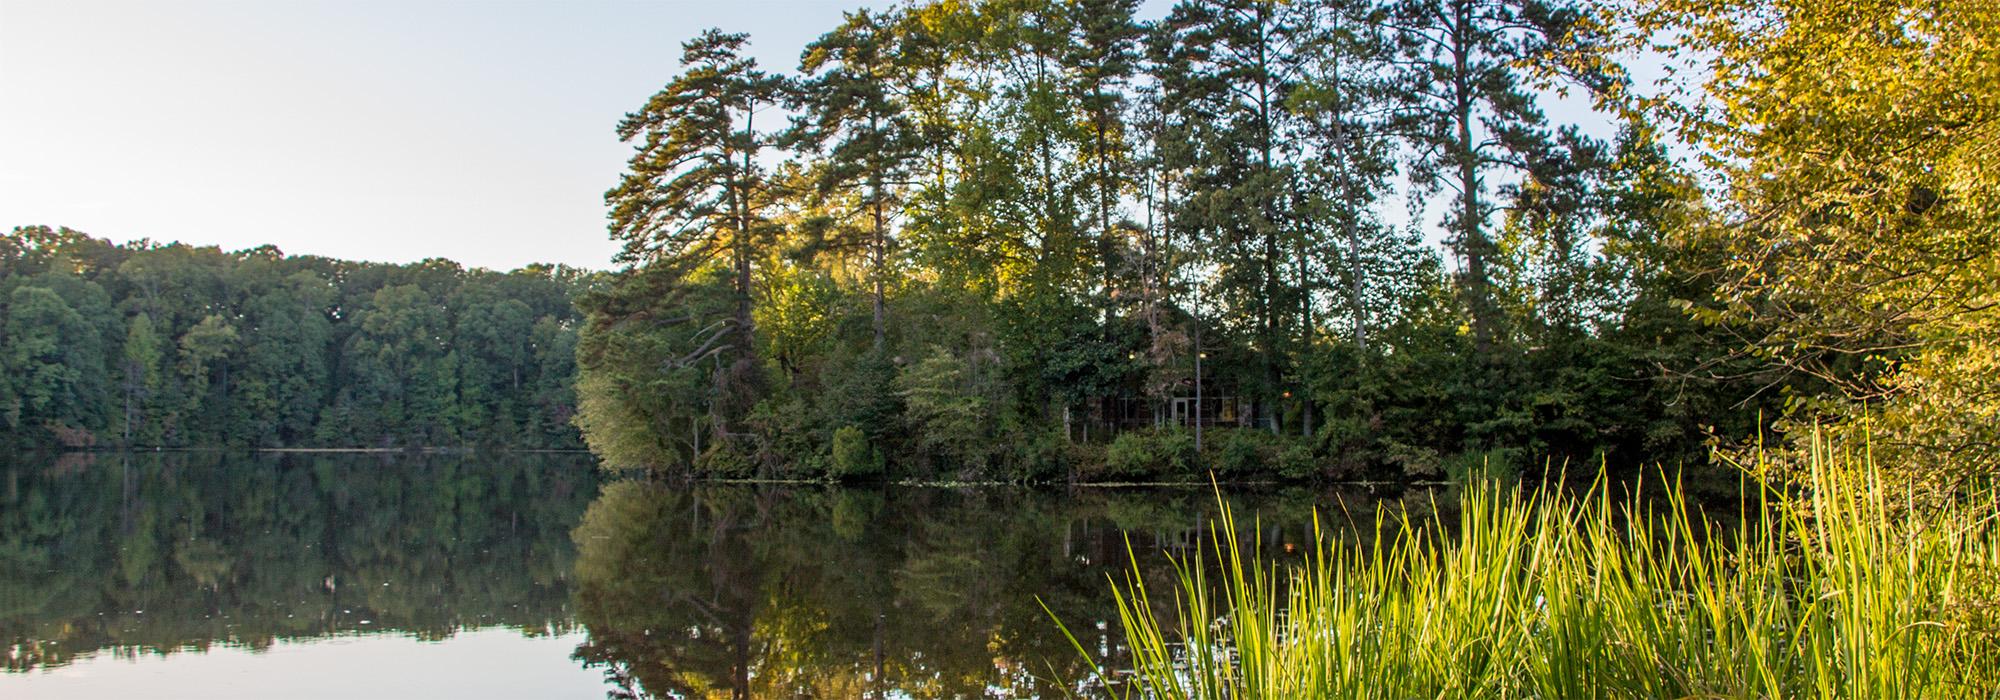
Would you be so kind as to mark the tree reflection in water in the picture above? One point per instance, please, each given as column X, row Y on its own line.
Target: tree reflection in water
column 707, row 591
column 157, row 553
column 726, row 591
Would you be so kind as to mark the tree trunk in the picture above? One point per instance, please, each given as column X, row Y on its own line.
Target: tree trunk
column 1267, row 220
column 879, row 252
column 741, row 197
column 1106, row 244
column 1472, row 236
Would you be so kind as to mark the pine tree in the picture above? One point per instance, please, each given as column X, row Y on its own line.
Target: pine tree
column 1101, row 58
column 1469, row 112
column 1228, row 68
column 692, row 195
column 854, row 118
column 1345, row 105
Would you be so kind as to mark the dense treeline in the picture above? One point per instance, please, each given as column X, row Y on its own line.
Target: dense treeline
column 174, row 345
column 991, row 235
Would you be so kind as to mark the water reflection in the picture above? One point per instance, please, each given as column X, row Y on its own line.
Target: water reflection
column 705, row 591
column 160, row 553
column 742, row 592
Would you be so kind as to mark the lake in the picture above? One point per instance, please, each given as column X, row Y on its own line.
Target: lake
column 213, row 575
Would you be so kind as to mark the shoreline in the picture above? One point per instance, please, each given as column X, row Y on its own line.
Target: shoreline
column 641, row 474
column 310, row 450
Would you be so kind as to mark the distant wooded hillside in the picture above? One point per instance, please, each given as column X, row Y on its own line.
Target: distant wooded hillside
column 175, row 345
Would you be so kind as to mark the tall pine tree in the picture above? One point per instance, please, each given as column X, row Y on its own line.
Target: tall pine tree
column 691, row 197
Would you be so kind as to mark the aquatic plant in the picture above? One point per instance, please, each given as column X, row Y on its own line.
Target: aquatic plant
column 1831, row 588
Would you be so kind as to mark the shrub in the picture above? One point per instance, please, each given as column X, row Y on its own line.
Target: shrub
column 1130, row 455
column 1176, row 448
column 1151, row 454
column 1244, row 453
column 724, row 461
column 1085, row 460
column 790, row 442
column 1298, row 463
column 948, row 418
column 853, row 457
column 1414, row 462
column 1038, row 456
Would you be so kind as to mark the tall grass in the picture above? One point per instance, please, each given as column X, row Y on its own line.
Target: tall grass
column 1831, row 589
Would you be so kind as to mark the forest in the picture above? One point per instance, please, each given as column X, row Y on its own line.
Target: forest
column 1043, row 241
column 148, row 345
column 1037, row 240
column 1355, row 348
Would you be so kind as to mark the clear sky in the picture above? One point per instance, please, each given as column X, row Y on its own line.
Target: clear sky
column 392, row 130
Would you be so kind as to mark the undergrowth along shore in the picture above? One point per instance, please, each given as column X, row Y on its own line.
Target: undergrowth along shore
column 1838, row 590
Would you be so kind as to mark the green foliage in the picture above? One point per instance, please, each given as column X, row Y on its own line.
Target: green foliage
column 1043, row 457
column 863, row 394
column 1835, row 592
column 853, row 457
column 141, row 369
column 1296, row 462
column 642, row 401
column 725, row 461
column 947, row 415
column 1858, row 216
column 1241, row 454
column 691, row 207
column 178, row 346
column 51, row 360
column 1500, row 466
column 994, row 222
column 1141, row 454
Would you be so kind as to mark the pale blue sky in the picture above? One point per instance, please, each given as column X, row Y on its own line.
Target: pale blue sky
column 367, row 129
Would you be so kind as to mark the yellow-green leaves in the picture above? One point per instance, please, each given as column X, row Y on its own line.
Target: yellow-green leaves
column 1855, row 143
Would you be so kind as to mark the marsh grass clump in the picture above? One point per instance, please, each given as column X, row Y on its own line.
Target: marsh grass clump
column 1830, row 589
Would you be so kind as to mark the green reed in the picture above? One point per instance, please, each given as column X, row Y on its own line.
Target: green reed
column 1829, row 589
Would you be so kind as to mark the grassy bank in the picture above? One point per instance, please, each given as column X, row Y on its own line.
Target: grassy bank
column 1838, row 591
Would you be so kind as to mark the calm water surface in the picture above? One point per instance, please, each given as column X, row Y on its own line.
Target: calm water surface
column 204, row 575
